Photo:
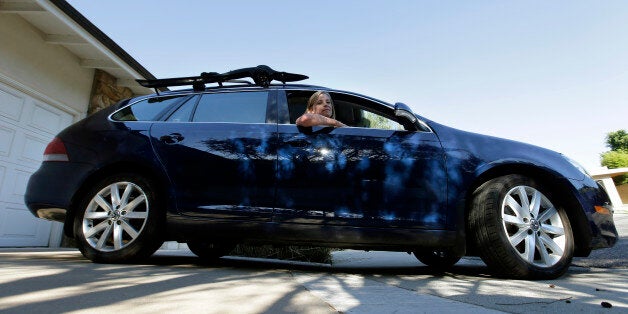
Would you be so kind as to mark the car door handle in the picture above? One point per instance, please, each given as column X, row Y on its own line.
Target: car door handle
column 172, row 138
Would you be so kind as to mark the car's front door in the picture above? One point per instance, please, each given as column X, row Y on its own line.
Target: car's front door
column 219, row 152
column 360, row 176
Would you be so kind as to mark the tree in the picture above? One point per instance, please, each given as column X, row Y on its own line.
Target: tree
column 618, row 156
column 617, row 141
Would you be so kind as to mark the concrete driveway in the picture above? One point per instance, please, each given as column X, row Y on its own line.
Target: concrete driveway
column 53, row 281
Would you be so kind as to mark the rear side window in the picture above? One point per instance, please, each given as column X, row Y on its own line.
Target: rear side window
column 147, row 110
column 244, row 107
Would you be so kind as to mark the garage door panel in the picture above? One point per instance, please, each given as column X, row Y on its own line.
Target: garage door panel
column 27, row 125
column 45, row 118
column 14, row 186
column 10, row 104
column 13, row 231
column 32, row 149
column 7, row 137
column 3, row 171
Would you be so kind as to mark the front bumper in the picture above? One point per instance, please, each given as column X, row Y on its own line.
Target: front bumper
column 604, row 231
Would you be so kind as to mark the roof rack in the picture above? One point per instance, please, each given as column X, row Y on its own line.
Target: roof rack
column 262, row 75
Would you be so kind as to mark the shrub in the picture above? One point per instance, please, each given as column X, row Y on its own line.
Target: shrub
column 616, row 159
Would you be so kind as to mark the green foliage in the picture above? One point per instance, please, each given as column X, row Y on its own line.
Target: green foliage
column 617, row 141
column 380, row 122
column 616, row 159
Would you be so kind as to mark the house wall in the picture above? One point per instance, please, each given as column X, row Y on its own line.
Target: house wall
column 47, row 69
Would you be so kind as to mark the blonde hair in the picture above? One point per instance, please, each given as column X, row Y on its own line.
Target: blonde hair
column 312, row 101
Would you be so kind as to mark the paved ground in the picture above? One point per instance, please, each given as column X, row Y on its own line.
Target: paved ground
column 44, row 281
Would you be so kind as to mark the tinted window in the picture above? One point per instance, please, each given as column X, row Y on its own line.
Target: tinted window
column 246, row 107
column 184, row 112
column 297, row 103
column 147, row 110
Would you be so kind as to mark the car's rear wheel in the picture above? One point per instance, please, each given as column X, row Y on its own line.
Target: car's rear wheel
column 119, row 220
column 209, row 252
column 440, row 259
column 520, row 229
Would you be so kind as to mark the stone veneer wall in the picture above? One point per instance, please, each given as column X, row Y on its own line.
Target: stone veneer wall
column 105, row 92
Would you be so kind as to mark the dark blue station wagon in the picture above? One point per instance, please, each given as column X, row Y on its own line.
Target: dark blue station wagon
column 217, row 166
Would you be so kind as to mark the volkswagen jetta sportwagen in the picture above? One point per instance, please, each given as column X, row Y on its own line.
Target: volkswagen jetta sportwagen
column 214, row 166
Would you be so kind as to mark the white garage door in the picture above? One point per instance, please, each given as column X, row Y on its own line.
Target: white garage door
column 26, row 127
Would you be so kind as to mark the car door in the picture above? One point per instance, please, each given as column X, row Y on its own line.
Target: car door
column 220, row 154
column 365, row 175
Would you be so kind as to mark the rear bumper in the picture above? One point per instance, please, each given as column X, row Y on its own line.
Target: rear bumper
column 52, row 187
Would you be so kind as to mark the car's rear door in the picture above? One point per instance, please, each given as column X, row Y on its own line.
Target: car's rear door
column 219, row 151
column 367, row 175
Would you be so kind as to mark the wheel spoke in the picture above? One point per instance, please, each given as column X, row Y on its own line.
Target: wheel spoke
column 551, row 229
column 516, row 207
column 136, row 215
column 103, row 238
column 518, row 237
column 130, row 207
column 525, row 202
column 514, row 220
column 548, row 214
column 540, row 245
column 530, row 246
column 125, row 196
column 97, row 228
column 549, row 243
column 102, row 203
column 117, row 236
column 115, row 194
column 129, row 229
column 96, row 215
column 536, row 203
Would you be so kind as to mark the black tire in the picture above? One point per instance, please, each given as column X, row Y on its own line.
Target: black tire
column 441, row 259
column 120, row 220
column 209, row 252
column 505, row 209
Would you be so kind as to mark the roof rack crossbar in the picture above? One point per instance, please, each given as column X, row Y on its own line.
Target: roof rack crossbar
column 262, row 75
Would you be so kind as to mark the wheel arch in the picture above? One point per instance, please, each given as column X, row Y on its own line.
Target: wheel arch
column 157, row 176
column 559, row 188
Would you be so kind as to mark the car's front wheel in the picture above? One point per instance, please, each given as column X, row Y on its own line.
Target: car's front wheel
column 119, row 220
column 520, row 228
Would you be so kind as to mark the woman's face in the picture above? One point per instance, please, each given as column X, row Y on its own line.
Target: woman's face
column 323, row 106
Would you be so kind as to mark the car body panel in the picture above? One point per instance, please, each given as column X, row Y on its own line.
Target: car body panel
column 220, row 170
column 371, row 177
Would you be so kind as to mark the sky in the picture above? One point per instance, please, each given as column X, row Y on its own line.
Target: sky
column 549, row 73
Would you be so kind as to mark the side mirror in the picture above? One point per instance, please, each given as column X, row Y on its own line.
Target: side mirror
column 403, row 111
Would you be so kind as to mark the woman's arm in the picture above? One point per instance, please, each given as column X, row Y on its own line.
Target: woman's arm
column 313, row 119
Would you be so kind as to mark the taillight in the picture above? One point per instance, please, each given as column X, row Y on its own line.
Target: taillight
column 55, row 151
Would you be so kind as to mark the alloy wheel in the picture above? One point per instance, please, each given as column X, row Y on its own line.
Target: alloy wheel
column 115, row 216
column 533, row 226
